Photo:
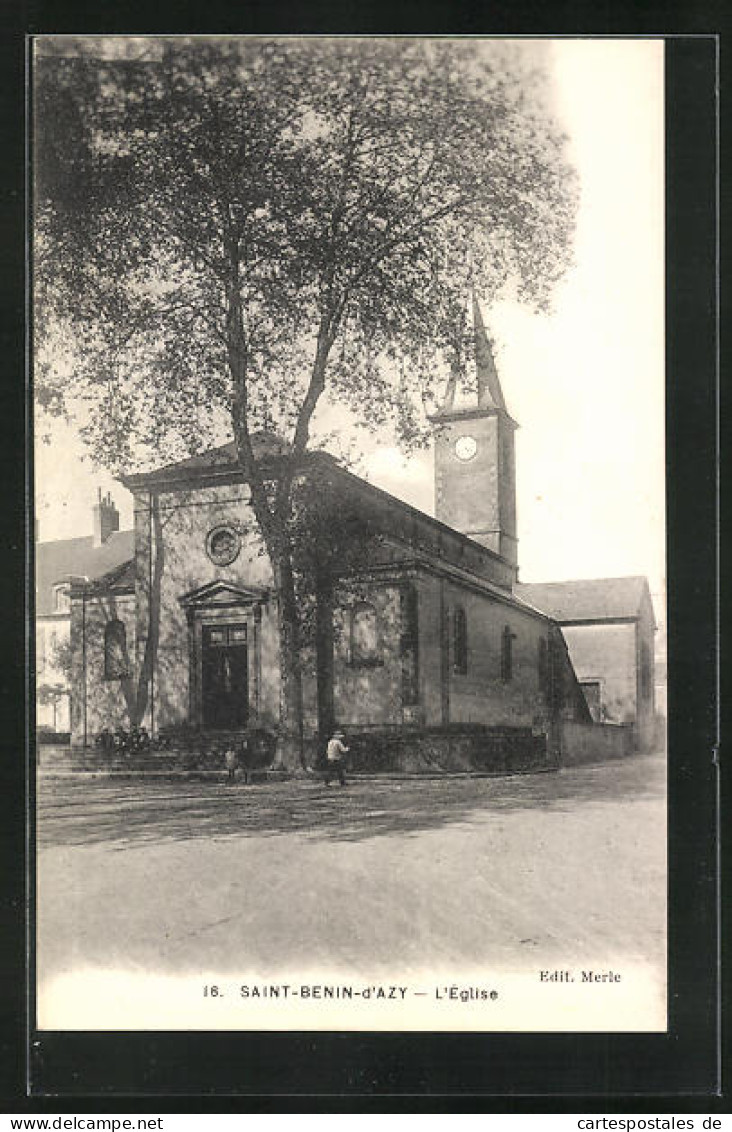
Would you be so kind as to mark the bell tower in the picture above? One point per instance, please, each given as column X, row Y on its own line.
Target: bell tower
column 475, row 470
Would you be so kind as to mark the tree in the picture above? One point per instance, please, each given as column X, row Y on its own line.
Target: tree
column 232, row 228
column 61, row 658
column 52, row 694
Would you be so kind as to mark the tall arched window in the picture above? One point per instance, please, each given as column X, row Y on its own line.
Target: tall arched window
column 364, row 634
column 507, row 655
column 116, row 664
column 460, row 641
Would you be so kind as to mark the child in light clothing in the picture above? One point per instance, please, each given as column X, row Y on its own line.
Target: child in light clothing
column 334, row 758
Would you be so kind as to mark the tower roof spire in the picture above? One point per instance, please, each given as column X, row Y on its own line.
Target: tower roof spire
column 490, row 394
column 486, row 392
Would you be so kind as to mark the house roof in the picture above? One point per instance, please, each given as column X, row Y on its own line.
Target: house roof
column 76, row 558
column 121, row 579
column 583, row 599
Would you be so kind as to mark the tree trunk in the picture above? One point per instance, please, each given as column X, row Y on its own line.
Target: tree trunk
column 273, row 517
column 324, row 654
column 137, row 686
column 145, row 685
column 290, row 754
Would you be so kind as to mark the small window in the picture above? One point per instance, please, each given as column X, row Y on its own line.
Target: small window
column 364, row 634
column 592, row 691
column 61, row 599
column 507, row 655
column 224, row 636
column 460, row 641
column 116, row 661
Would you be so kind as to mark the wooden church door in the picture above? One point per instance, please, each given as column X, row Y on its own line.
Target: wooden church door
column 225, row 676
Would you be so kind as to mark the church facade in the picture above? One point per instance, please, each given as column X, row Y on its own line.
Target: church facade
column 420, row 646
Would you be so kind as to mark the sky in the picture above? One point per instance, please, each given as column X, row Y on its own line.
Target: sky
column 585, row 383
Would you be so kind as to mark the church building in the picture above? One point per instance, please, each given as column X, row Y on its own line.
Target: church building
column 422, row 647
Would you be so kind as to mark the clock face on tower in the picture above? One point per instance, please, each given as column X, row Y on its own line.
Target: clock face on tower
column 465, row 447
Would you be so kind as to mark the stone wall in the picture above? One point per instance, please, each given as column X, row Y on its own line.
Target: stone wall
column 478, row 496
column 479, row 692
column 594, row 743
column 434, row 675
column 454, row 750
column 370, row 692
column 483, row 694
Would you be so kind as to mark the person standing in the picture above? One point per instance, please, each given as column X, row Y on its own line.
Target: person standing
column 231, row 762
column 334, row 758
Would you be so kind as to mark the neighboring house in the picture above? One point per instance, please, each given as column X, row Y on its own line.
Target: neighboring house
column 661, row 663
column 609, row 626
column 59, row 564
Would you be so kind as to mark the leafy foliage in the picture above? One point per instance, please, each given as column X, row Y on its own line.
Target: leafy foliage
column 228, row 229
column 62, row 657
column 342, row 191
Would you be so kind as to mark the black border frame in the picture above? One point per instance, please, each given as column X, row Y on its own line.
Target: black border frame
column 324, row 1072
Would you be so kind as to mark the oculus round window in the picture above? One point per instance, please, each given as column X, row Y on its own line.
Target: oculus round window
column 223, row 544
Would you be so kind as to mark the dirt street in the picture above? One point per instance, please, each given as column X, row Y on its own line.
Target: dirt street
column 182, row 877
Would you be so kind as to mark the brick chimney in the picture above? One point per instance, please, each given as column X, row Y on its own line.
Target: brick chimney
column 106, row 518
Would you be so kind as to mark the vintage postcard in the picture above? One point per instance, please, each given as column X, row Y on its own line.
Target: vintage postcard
column 350, row 539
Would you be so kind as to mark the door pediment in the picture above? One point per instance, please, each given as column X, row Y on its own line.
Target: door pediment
column 219, row 594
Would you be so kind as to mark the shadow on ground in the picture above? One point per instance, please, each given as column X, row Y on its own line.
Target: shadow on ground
column 138, row 811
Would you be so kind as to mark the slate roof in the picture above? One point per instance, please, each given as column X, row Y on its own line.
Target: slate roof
column 267, row 447
column 461, row 401
column 595, row 599
column 121, row 579
column 222, row 457
column 490, row 394
column 56, row 560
